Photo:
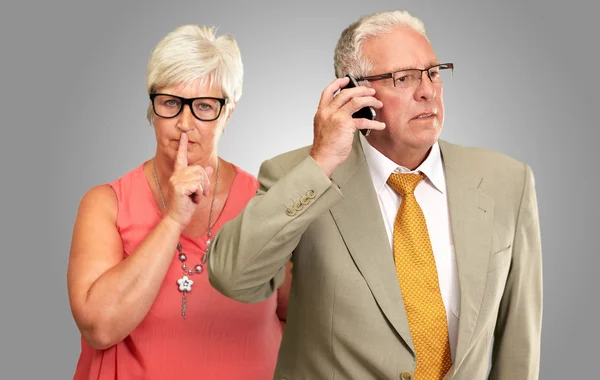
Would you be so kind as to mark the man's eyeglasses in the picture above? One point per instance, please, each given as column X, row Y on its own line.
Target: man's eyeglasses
column 204, row 108
column 412, row 77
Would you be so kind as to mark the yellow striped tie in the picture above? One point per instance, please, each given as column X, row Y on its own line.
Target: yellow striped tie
column 418, row 278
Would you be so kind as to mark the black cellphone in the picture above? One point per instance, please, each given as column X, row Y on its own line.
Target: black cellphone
column 365, row 112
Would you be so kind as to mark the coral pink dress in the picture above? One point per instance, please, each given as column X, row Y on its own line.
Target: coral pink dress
column 220, row 338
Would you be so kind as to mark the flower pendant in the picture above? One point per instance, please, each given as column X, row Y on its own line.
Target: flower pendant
column 185, row 284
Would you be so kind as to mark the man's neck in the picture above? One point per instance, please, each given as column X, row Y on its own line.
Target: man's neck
column 407, row 157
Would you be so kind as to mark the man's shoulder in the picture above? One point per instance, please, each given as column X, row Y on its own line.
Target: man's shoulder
column 499, row 175
column 479, row 160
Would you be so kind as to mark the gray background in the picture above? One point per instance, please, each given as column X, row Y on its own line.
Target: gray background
column 73, row 108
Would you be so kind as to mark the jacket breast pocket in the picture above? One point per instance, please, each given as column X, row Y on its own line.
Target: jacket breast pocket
column 500, row 258
column 496, row 280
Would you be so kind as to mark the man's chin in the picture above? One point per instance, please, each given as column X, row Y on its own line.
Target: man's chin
column 425, row 138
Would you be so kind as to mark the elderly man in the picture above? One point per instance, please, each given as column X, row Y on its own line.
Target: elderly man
column 411, row 254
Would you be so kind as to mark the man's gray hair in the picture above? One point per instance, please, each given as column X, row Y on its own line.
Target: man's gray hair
column 349, row 58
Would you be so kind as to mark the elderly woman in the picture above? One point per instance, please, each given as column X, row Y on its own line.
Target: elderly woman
column 137, row 280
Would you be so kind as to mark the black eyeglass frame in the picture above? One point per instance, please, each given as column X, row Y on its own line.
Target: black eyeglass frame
column 442, row 66
column 189, row 102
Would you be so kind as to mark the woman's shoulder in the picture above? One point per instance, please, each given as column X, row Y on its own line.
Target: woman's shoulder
column 132, row 176
column 106, row 196
column 99, row 194
column 98, row 201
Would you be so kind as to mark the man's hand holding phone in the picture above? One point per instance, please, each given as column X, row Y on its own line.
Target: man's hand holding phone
column 334, row 124
column 365, row 112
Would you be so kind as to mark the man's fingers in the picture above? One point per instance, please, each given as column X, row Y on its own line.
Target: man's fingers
column 329, row 92
column 369, row 124
column 350, row 94
column 357, row 103
column 181, row 160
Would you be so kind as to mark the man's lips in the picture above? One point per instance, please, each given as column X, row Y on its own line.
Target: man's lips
column 424, row 115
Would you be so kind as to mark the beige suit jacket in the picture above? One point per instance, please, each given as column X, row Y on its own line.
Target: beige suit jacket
column 346, row 317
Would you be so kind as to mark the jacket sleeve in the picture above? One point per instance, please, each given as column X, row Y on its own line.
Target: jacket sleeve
column 248, row 254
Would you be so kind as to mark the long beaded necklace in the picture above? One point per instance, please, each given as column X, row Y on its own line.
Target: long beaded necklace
column 185, row 283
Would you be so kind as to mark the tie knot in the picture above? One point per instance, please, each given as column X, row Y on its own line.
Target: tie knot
column 405, row 183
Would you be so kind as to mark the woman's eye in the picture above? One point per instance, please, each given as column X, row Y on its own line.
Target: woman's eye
column 204, row 107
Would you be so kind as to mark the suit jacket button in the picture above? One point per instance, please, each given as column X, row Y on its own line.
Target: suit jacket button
column 290, row 211
column 297, row 206
column 311, row 194
column 405, row 376
column 304, row 200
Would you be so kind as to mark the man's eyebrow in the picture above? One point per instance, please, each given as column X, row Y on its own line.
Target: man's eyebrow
column 402, row 68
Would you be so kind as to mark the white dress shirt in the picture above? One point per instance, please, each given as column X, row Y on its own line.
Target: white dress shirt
column 432, row 198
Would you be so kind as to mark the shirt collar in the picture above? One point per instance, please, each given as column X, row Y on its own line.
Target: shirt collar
column 381, row 167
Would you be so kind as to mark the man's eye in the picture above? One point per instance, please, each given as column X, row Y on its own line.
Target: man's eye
column 408, row 78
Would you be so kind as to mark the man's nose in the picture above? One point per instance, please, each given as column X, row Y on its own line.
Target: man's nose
column 426, row 89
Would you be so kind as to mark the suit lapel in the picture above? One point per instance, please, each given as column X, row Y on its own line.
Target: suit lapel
column 471, row 218
column 361, row 225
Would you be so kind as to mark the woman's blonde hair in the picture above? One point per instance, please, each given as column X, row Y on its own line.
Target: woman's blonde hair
column 193, row 52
